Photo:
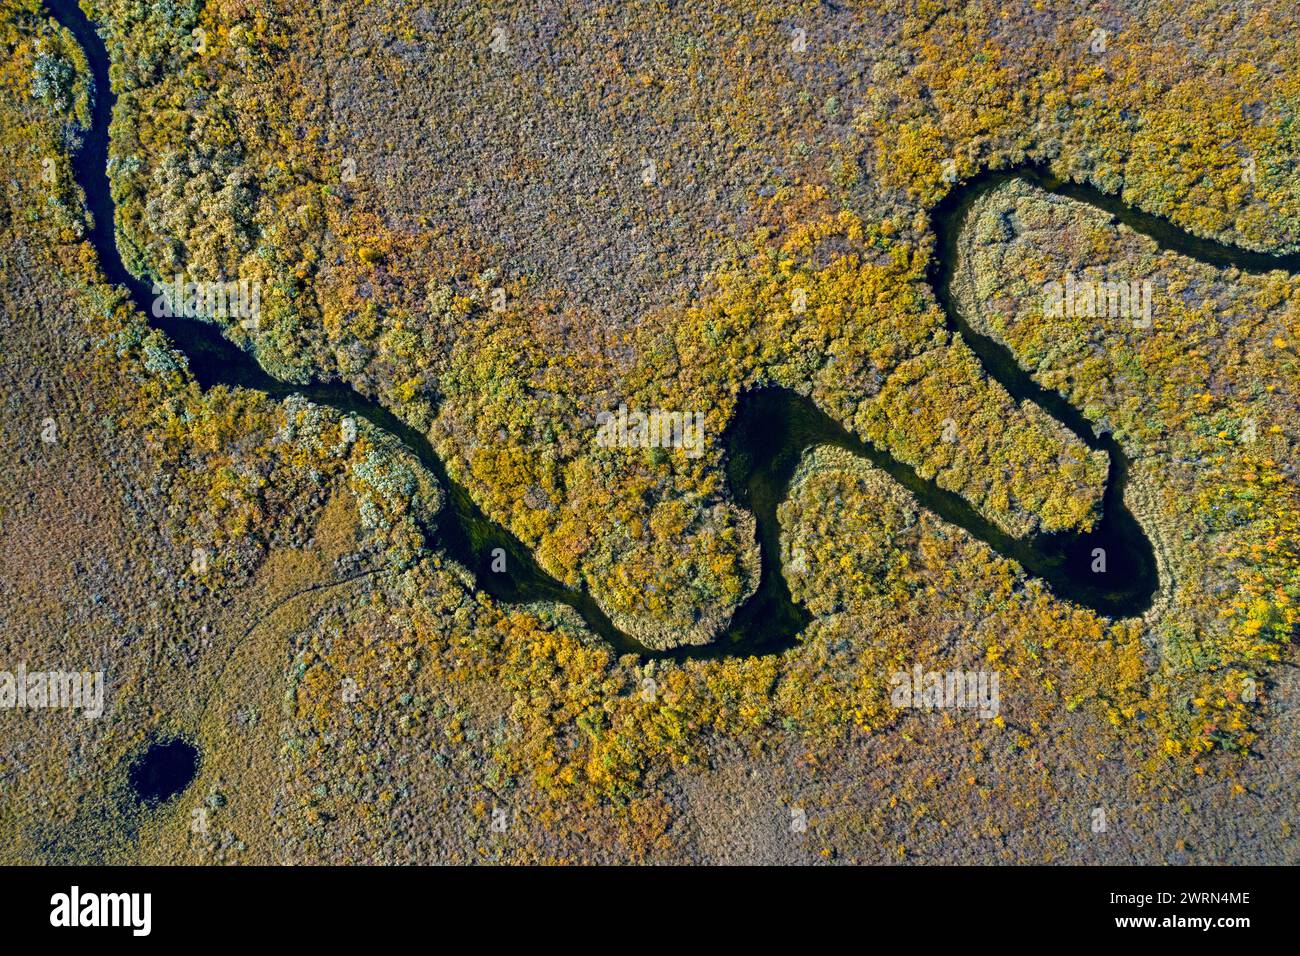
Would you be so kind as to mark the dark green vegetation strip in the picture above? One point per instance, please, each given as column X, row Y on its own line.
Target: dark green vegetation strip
column 771, row 431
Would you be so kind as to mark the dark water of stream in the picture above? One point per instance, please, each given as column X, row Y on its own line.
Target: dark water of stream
column 771, row 430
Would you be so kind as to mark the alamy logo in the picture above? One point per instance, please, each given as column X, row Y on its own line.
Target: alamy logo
column 103, row 909
column 1093, row 300
column 39, row 690
column 950, row 690
column 180, row 299
column 656, row 429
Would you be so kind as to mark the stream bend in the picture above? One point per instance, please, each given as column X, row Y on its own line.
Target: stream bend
column 771, row 430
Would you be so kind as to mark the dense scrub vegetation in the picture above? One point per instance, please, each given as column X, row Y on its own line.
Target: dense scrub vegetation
column 369, row 279
column 229, row 158
column 1205, row 399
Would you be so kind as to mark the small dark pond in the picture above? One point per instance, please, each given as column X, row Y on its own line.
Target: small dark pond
column 163, row 771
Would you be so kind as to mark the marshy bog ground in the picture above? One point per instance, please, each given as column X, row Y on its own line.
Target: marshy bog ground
column 362, row 582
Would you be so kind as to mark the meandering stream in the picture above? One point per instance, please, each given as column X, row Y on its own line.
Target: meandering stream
column 770, row 433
